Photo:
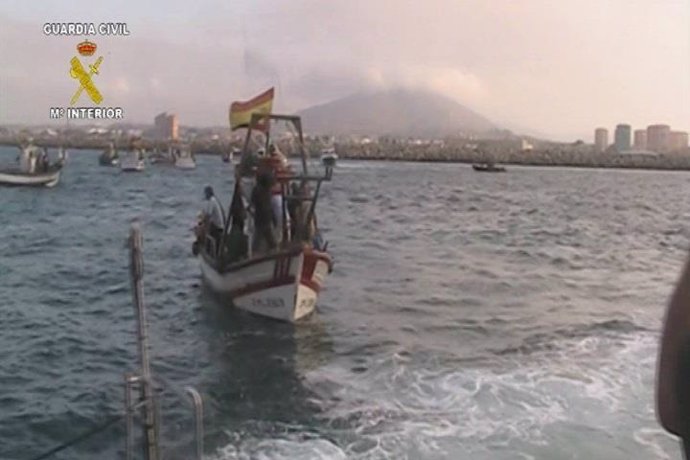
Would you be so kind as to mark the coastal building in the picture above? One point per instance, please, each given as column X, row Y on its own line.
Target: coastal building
column 601, row 139
column 526, row 146
column 678, row 140
column 640, row 139
column 658, row 138
column 622, row 138
column 165, row 126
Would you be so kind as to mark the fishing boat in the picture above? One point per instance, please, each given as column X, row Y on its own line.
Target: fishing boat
column 133, row 161
column 34, row 169
column 165, row 158
column 329, row 157
column 184, row 159
column 281, row 283
column 109, row 157
column 488, row 167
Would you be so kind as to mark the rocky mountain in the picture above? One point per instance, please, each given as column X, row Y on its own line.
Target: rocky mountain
column 398, row 112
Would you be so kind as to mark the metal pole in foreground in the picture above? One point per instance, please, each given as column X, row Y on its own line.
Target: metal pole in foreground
column 137, row 274
column 128, row 417
column 197, row 402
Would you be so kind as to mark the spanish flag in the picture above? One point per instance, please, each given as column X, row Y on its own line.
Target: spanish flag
column 241, row 112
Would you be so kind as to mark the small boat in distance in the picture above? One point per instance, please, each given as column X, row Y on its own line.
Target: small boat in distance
column 164, row 158
column 109, row 157
column 229, row 157
column 329, row 157
column 284, row 282
column 34, row 170
column 488, row 167
column 184, row 159
column 133, row 161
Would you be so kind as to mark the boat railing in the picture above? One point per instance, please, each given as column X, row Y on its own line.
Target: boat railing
column 142, row 390
column 148, row 386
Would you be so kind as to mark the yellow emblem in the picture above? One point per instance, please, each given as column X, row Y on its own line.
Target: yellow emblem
column 78, row 72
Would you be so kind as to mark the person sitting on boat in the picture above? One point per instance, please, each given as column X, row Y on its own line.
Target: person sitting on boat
column 264, row 219
column 199, row 232
column 214, row 214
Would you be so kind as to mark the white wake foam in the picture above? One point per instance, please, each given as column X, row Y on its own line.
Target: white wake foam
column 592, row 396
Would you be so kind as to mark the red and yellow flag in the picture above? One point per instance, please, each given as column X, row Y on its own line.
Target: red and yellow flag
column 241, row 112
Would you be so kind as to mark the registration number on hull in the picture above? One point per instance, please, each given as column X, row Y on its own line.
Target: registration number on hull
column 270, row 302
column 306, row 304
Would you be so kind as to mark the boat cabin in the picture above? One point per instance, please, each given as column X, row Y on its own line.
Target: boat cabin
column 264, row 175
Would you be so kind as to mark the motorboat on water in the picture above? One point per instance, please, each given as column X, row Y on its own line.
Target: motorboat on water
column 282, row 283
column 133, row 161
column 184, row 159
column 109, row 157
column 488, row 167
column 329, row 157
column 34, row 169
column 164, row 158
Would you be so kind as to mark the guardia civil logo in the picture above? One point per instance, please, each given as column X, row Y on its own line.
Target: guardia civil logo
column 85, row 67
column 85, row 79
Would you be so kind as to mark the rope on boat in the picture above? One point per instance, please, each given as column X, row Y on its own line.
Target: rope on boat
column 86, row 435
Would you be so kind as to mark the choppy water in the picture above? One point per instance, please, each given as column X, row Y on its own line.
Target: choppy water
column 469, row 316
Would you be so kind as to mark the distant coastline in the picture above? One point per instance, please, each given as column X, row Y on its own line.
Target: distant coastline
column 565, row 157
column 582, row 157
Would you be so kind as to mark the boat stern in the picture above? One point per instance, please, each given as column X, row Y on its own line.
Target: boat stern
column 283, row 286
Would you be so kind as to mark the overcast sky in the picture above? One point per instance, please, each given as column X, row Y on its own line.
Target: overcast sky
column 555, row 67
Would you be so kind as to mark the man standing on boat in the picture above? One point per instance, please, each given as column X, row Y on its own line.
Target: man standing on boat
column 277, row 165
column 214, row 215
column 264, row 219
column 245, row 175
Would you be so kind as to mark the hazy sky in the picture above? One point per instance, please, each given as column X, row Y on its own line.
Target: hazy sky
column 555, row 67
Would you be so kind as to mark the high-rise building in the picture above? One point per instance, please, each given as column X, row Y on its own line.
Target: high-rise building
column 622, row 138
column 640, row 139
column 601, row 139
column 678, row 140
column 166, row 126
column 658, row 138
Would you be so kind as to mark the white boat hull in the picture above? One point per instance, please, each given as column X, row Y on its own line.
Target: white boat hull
column 132, row 166
column 281, row 286
column 49, row 179
column 185, row 163
column 329, row 159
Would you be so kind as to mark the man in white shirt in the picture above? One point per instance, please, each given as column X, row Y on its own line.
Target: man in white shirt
column 214, row 215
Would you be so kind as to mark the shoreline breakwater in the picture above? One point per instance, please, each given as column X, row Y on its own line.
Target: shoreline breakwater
column 539, row 157
column 553, row 156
